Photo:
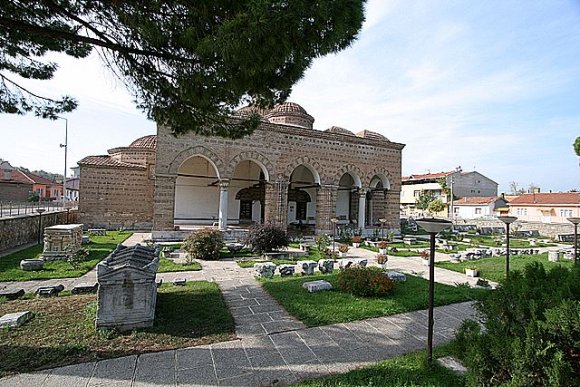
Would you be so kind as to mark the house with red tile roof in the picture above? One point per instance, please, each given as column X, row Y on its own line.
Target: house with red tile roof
column 11, row 189
column 477, row 207
column 549, row 207
column 47, row 189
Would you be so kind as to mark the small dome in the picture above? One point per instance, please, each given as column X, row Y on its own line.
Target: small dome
column 338, row 129
column 249, row 110
column 371, row 135
column 292, row 114
column 147, row 142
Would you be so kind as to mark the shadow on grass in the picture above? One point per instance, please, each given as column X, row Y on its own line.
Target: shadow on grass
column 62, row 331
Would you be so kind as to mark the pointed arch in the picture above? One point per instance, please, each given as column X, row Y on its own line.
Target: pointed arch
column 353, row 171
column 197, row 151
column 313, row 166
column 261, row 160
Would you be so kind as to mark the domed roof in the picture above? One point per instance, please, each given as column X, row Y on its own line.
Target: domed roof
column 371, row 135
column 249, row 110
column 147, row 142
column 291, row 114
column 289, row 107
column 338, row 129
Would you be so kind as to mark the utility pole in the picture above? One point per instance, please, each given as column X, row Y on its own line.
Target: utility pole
column 452, row 210
column 65, row 146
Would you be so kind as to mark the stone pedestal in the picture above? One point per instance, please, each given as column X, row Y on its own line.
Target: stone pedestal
column 61, row 240
column 127, row 289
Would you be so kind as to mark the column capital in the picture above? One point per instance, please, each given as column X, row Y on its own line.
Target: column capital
column 224, row 183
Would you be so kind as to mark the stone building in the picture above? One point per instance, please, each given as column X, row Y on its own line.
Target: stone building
column 285, row 173
column 462, row 184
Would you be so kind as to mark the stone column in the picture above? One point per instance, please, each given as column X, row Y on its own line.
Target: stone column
column 325, row 208
column 362, row 201
column 378, row 200
column 223, row 211
column 164, row 203
column 392, row 208
column 276, row 202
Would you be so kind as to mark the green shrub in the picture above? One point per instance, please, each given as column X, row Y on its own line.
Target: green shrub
column 322, row 241
column 532, row 331
column 204, row 244
column 365, row 282
column 267, row 237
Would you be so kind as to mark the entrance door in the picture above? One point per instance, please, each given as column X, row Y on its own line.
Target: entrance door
column 245, row 211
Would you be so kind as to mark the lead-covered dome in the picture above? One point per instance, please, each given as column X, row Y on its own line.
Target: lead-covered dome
column 290, row 113
column 145, row 142
column 247, row 111
column 371, row 135
column 339, row 130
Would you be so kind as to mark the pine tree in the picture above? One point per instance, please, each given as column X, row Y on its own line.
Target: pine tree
column 188, row 63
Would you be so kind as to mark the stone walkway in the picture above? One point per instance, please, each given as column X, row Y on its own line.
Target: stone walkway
column 272, row 344
column 259, row 358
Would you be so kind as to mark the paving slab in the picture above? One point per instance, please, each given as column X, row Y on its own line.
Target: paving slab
column 113, row 372
column 155, row 369
column 199, row 376
column 76, row 375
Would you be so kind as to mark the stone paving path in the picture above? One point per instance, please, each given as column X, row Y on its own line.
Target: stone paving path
column 260, row 358
column 272, row 344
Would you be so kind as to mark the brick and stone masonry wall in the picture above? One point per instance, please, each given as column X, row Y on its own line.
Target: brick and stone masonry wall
column 551, row 230
column 112, row 198
column 23, row 229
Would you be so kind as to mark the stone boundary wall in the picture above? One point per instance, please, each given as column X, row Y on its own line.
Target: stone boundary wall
column 23, row 229
column 551, row 230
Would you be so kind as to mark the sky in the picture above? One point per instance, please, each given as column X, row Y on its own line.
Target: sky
column 492, row 86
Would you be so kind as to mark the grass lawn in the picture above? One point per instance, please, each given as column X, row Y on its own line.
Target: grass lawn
column 99, row 248
column 494, row 268
column 313, row 255
column 515, row 243
column 406, row 370
column 330, row 307
column 166, row 265
column 238, row 254
column 398, row 253
column 63, row 332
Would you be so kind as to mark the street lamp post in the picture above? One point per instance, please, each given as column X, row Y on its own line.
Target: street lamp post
column 432, row 226
column 65, row 146
column 507, row 220
column 333, row 221
column 40, row 211
column 575, row 222
column 383, row 221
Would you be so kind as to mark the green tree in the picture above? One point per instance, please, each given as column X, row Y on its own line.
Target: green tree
column 577, row 146
column 188, row 64
column 436, row 206
column 422, row 202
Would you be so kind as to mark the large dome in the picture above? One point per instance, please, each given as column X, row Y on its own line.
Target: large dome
column 249, row 110
column 290, row 113
column 146, row 142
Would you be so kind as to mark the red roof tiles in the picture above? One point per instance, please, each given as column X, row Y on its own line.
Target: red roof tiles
column 108, row 161
column 551, row 198
column 478, row 200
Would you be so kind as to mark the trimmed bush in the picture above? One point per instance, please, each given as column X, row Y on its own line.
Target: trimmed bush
column 265, row 238
column 532, row 331
column 365, row 282
column 204, row 244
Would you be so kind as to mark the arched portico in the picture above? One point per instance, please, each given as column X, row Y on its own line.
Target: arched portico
column 197, row 199
column 246, row 201
column 302, row 192
column 375, row 199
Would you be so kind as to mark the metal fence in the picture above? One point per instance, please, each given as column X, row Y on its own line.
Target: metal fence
column 10, row 209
